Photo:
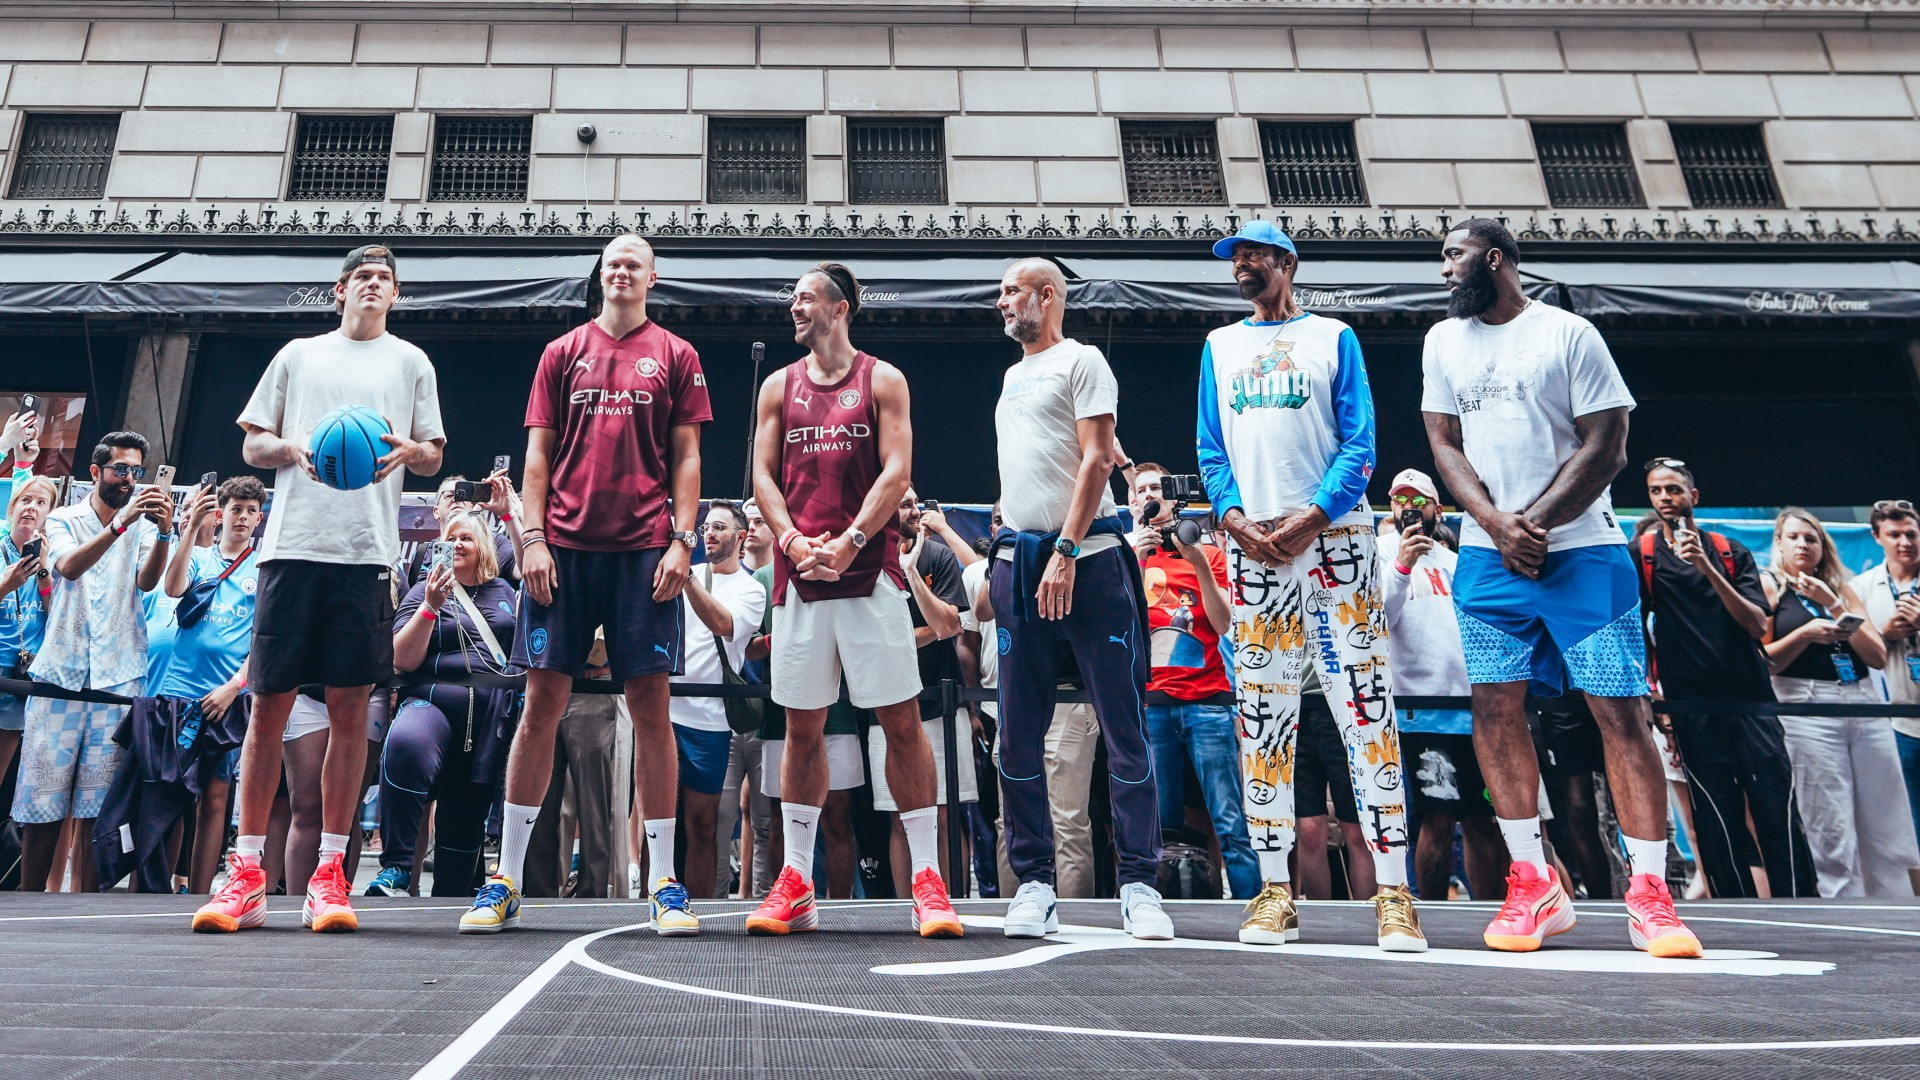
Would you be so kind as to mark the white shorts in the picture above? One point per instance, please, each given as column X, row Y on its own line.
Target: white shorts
column 868, row 639
column 309, row 716
column 936, row 736
column 845, row 769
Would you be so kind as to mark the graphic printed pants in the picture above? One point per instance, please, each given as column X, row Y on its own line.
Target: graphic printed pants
column 1324, row 608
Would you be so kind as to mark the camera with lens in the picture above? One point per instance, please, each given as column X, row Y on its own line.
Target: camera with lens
column 1180, row 491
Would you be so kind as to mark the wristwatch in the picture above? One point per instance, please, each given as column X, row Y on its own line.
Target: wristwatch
column 856, row 537
column 689, row 538
column 1067, row 547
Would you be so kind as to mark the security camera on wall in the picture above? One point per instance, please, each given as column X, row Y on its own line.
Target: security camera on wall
column 586, row 133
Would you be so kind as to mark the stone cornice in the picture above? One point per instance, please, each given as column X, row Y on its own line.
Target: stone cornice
column 1613, row 14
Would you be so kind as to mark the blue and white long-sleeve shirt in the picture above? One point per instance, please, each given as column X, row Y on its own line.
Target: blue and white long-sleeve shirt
column 1286, row 419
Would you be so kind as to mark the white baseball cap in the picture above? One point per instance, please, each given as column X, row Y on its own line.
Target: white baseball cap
column 1415, row 481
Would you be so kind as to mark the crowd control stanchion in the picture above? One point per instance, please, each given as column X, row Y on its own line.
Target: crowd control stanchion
column 949, row 716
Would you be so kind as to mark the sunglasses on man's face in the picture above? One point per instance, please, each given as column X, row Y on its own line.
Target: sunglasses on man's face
column 1416, row 501
column 125, row 471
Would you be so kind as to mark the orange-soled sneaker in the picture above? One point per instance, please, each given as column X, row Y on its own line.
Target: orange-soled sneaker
column 1537, row 908
column 1651, row 924
column 933, row 913
column 328, row 909
column 241, row 904
column 787, row 909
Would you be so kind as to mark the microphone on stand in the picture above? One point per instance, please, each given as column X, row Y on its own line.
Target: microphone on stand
column 753, row 416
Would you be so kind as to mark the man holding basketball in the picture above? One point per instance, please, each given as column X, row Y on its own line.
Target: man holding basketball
column 613, row 432
column 324, row 610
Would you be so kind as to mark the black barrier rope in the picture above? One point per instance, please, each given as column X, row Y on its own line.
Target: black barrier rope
column 486, row 680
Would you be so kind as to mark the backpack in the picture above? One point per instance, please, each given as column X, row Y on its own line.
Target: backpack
column 1187, row 870
column 1648, row 543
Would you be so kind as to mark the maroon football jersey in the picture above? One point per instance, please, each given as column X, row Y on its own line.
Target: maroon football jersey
column 829, row 461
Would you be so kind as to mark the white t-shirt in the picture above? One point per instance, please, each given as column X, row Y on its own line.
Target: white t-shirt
column 971, row 578
column 1877, row 592
column 1517, row 388
column 1042, row 399
column 742, row 596
column 310, row 378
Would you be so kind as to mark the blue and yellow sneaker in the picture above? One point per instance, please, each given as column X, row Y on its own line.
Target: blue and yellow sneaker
column 672, row 914
column 390, row 881
column 496, row 908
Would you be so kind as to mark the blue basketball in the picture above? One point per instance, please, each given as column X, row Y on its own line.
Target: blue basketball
column 346, row 446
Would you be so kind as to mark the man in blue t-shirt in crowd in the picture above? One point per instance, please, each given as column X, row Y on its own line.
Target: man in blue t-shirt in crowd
column 208, row 666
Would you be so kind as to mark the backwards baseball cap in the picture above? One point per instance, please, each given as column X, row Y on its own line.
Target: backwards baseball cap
column 1257, row 231
column 370, row 253
column 1415, row 481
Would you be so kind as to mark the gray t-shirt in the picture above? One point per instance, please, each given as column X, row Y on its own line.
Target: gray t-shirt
column 308, row 379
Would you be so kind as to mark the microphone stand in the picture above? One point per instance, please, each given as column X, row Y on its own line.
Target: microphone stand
column 753, row 416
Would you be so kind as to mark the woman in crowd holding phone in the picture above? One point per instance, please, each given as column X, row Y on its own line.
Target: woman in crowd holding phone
column 23, row 601
column 448, row 743
column 1846, row 770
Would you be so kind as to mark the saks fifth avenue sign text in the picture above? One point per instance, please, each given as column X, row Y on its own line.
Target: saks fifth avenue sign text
column 1761, row 302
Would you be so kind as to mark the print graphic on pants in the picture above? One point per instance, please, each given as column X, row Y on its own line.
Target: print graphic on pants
column 1322, row 608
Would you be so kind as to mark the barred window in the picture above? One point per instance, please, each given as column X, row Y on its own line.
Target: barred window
column 757, row 160
column 1171, row 163
column 1587, row 165
column 1725, row 165
column 1312, row 164
column 897, row 160
column 480, row 158
column 65, row 156
column 341, row 157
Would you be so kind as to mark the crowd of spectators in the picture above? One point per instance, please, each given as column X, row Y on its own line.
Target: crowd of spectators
column 91, row 599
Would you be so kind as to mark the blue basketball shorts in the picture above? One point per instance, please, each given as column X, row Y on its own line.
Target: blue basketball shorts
column 1577, row 626
column 611, row 589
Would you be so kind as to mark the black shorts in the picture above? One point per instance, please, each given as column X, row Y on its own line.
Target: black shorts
column 1444, row 774
column 1572, row 740
column 613, row 589
column 322, row 623
column 1320, row 764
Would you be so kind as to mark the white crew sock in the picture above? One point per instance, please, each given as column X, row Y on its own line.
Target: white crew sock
column 251, row 849
column 332, row 843
column 659, row 847
column 516, row 828
column 922, row 827
column 1273, row 867
column 1523, row 842
column 802, row 823
column 1647, row 856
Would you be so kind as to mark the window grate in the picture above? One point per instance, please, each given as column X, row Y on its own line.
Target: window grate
column 895, row 160
column 1312, row 164
column 341, row 157
column 756, row 161
column 1587, row 165
column 1725, row 165
column 65, row 156
column 1175, row 164
column 480, row 158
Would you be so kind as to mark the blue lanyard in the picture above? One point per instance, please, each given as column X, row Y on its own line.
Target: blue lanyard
column 1895, row 592
column 1812, row 608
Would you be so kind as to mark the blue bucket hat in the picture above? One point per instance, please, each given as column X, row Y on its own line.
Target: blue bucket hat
column 1258, row 232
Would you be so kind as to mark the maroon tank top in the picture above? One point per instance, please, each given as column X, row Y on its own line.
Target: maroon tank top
column 829, row 461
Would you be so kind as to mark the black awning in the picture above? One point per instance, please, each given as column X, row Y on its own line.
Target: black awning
column 751, row 282
column 196, row 284
column 1331, row 287
column 62, row 282
column 1799, row 291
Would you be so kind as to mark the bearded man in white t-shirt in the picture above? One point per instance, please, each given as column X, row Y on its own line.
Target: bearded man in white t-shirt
column 1527, row 415
column 324, row 613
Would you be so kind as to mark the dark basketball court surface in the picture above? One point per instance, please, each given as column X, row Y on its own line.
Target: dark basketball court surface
column 116, row 986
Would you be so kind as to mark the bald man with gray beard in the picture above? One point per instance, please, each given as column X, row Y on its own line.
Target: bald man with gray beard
column 1064, row 583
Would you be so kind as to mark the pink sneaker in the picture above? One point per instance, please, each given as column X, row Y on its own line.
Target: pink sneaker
column 1536, row 909
column 241, row 904
column 327, row 909
column 1651, row 923
column 933, row 914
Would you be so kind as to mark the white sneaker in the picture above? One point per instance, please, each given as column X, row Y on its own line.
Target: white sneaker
column 1034, row 911
column 1141, row 914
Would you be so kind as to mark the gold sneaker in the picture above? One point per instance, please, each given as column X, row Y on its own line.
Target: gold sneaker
column 1271, row 918
column 1399, row 923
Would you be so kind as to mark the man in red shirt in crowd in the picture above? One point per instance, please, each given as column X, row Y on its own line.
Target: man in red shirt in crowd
column 613, row 434
column 1187, row 611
